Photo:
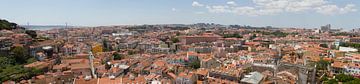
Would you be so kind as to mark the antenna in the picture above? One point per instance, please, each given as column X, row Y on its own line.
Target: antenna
column 66, row 24
column 66, row 29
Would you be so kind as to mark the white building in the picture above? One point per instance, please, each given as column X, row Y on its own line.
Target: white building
column 348, row 49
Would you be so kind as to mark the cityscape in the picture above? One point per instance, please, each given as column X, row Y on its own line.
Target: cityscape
column 184, row 51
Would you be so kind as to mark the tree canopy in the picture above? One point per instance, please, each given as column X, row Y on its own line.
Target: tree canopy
column 232, row 36
column 4, row 24
column 31, row 33
column 194, row 64
column 117, row 56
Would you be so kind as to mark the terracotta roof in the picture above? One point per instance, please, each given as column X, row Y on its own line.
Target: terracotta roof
column 338, row 64
column 185, row 75
column 37, row 64
column 202, row 71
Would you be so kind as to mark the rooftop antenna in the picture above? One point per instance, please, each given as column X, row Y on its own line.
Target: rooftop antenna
column 66, row 29
column 65, row 24
column 28, row 26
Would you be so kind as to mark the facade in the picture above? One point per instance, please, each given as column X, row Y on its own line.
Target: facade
column 209, row 63
column 158, row 50
column 352, row 68
column 326, row 28
column 348, row 49
column 252, row 78
column 198, row 39
column 5, row 44
column 355, row 40
column 186, row 78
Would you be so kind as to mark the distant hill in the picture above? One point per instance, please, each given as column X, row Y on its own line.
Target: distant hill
column 4, row 24
column 47, row 27
column 43, row 27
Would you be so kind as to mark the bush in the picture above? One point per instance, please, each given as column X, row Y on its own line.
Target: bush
column 117, row 56
column 344, row 77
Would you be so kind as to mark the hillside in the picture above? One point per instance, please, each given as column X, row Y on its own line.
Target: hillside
column 4, row 24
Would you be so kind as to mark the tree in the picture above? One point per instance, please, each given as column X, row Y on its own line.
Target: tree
column 194, row 64
column 97, row 48
column 324, row 45
column 344, row 77
column 117, row 56
column 322, row 64
column 131, row 52
column 313, row 37
column 355, row 81
column 17, row 73
column 253, row 37
column 20, row 54
column 232, row 36
column 175, row 40
column 31, row 33
column 331, row 81
column 248, row 70
column 5, row 62
column 4, row 24
column 279, row 34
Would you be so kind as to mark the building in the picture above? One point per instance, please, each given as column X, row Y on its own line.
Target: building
column 326, row 28
column 201, row 49
column 209, row 62
column 252, row 78
column 226, row 73
column 186, row 78
column 5, row 44
column 337, row 67
column 355, row 39
column 347, row 49
column 207, row 37
column 38, row 47
column 158, row 50
column 352, row 68
column 285, row 77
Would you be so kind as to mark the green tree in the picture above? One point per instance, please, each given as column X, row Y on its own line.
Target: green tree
column 355, row 81
column 175, row 40
column 322, row 64
column 279, row 34
column 248, row 70
column 331, row 81
column 194, row 64
column 4, row 24
column 18, row 72
column 31, row 33
column 324, row 45
column 117, row 56
column 5, row 62
column 20, row 54
column 253, row 37
column 232, row 36
column 344, row 77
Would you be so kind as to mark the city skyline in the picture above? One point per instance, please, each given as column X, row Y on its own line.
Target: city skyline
column 279, row 13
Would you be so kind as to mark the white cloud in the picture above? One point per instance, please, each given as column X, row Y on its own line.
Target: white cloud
column 333, row 9
column 197, row 4
column 231, row 3
column 272, row 7
column 199, row 13
column 173, row 9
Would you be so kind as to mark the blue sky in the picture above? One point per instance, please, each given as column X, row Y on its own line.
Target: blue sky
column 283, row 13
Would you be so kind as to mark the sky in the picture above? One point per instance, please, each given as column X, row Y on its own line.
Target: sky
column 277, row 13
